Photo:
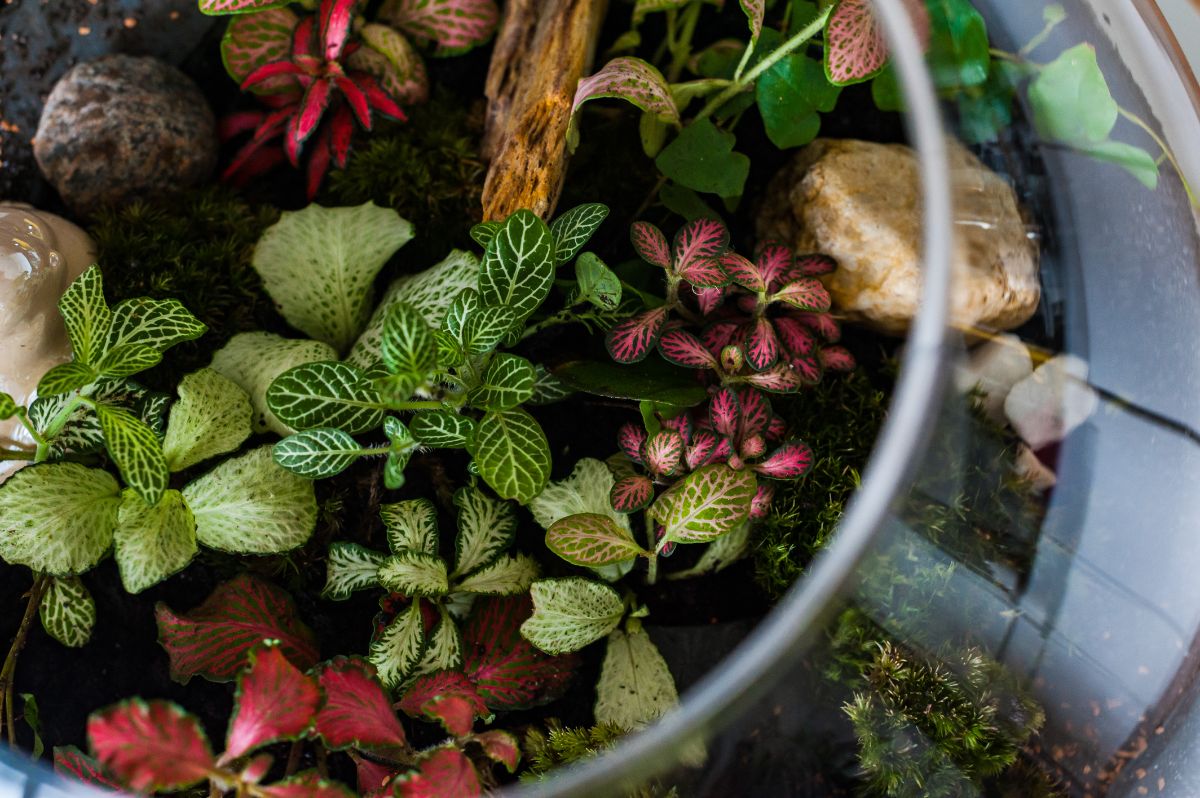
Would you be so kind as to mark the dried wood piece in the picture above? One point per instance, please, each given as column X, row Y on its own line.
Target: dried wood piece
column 542, row 51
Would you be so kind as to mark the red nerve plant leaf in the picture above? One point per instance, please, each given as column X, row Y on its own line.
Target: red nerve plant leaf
column 357, row 711
column 700, row 240
column 650, row 244
column 790, row 461
column 308, row 784
column 448, row 697
column 855, row 49
column 632, row 493
column 446, row 773
column 500, row 746
column 214, row 639
column 70, row 761
column 275, row 701
column 631, row 340
column 150, row 746
column 252, row 40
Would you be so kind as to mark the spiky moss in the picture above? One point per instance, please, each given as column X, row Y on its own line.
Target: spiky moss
column 195, row 247
column 840, row 419
column 427, row 169
column 554, row 746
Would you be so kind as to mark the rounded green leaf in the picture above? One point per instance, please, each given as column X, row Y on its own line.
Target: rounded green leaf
column 486, row 328
column 1071, row 101
column 68, row 611
column 443, row 429
column 152, row 543
column 212, row 416
column 507, row 383
column 518, row 266
column 317, row 453
column 591, row 540
column 335, row 395
column 598, row 284
column 512, row 454
column 574, row 228
column 570, row 613
column 407, row 345
column 706, row 504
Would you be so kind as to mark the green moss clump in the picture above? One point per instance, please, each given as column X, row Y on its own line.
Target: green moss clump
column 195, row 247
column 428, row 169
column 556, row 746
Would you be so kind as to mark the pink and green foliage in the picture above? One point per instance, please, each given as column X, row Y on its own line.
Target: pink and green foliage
column 306, row 785
column 444, row 773
column 151, row 746
column 217, row 7
column 684, row 349
column 275, row 701
column 650, row 244
column 633, row 80
column 507, row 670
column 631, row 340
column 592, row 540
column 500, row 746
column 447, row 697
column 855, row 48
column 215, row 639
column 632, row 493
column 663, row 453
column 706, row 504
column 374, row 779
column 71, row 762
column 357, row 711
column 701, row 241
column 252, row 40
column 454, row 25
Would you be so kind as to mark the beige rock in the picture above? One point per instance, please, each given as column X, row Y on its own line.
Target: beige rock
column 993, row 368
column 40, row 255
column 1056, row 398
column 860, row 202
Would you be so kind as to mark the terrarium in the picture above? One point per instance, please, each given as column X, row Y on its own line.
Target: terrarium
column 667, row 398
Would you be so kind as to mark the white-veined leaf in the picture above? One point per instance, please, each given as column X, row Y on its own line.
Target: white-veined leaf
column 443, row 429
column 574, row 228
column 706, row 504
column 86, row 315
column 486, row 528
column 155, row 323
column 411, row 524
column 407, row 345
column 317, row 453
column 570, row 613
column 68, row 611
column 211, row 417
column 414, row 573
column 507, row 383
column 518, row 266
column 326, row 394
column 507, row 576
column 461, row 309
column 445, row 649
column 547, row 388
column 64, row 378
column 486, row 328
column 152, row 543
column 136, row 450
column 350, row 567
column 399, row 648
column 635, row 684
column 512, row 454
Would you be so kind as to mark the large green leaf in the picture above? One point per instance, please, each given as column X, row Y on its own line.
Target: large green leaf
column 570, row 613
column 136, row 450
column 573, row 229
column 86, row 315
column 407, row 345
column 486, row 528
column 507, row 576
column 399, row 648
column 649, row 381
column 443, row 429
column 1071, row 101
column 414, row 573
column 411, row 524
column 350, row 567
column 319, row 265
column 507, row 383
column 68, row 611
column 335, row 395
column 58, row 517
column 317, row 453
column 211, row 417
column 518, row 266
column 152, row 543
column 706, row 504
column 592, row 540
column 635, row 684
column 512, row 454
column 249, row 505
column 254, row 360
column 702, row 158
column 789, row 95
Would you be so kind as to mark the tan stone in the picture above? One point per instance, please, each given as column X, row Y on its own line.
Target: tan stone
column 860, row 203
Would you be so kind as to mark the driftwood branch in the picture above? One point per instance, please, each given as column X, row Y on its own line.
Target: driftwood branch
column 543, row 49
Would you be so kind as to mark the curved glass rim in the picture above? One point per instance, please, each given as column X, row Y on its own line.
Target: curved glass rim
column 759, row 662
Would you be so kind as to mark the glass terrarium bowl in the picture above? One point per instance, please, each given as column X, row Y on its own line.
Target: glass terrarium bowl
column 1075, row 609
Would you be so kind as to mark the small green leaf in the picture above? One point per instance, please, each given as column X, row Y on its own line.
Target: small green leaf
column 152, row 543
column 573, row 229
column 155, row 323
column 442, row 429
column 334, row 395
column 350, row 567
column 649, row 381
column 249, row 505
column 486, row 328
column 702, row 158
column 128, row 359
column 507, row 576
column 592, row 540
column 635, row 684
column 507, row 383
column 86, row 315
column 136, row 450
column 1071, row 101
column 8, row 406
column 512, row 454
column 486, row 528
column 570, row 613
column 64, row 378
column 1134, row 160
column 398, row 649
column 460, row 310
column 211, row 417
column 407, row 346
column 518, row 266
column 68, row 611
column 414, row 573
column 317, row 453
column 706, row 504
column 597, row 283
column 484, row 232
column 411, row 524
column 789, row 95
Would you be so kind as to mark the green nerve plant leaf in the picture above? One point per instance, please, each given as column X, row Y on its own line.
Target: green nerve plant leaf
column 486, row 528
column 592, row 540
column 398, row 649
column 573, row 229
column 484, row 232
column 153, row 542
column 570, row 613
column 702, row 158
column 64, row 378
column 407, row 345
column 414, row 573
column 509, row 575
column 326, row 394
column 512, row 454
column 8, row 406
column 211, row 417
column 507, row 383
column 455, row 25
column 350, row 567
column 254, row 360
column 319, row 264
column 518, row 266
column 157, row 324
column 706, row 504
column 390, row 58
column 598, row 284
column 68, row 611
column 486, row 328
column 135, row 449
column 635, row 684
column 443, row 650
column 249, row 505
column 411, row 525
column 317, row 453
column 86, row 315
column 548, row 388
column 460, row 310
column 442, row 429
column 58, row 517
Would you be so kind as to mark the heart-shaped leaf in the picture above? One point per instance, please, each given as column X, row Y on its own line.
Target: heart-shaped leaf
column 684, row 349
column 518, row 266
column 357, row 712
column 650, row 244
column 211, row 417
column 136, row 450
column 444, row 773
column 150, row 746
column 411, row 524
column 442, row 429
column 790, row 461
column 789, row 95
column 573, row 229
column 632, row 493
column 407, row 344
column 275, row 701
column 214, row 640
column 455, row 25
column 570, row 613
column 152, row 543
column 507, row 383
column 512, row 454
column 254, row 40
column 414, row 573
column 705, row 504
column 317, row 453
column 702, row 158
column 592, row 540
column 635, row 684
column 631, row 340
column 397, row 650
column 335, row 395
column 68, row 611
column 447, row 697
column 633, row 80
column 350, row 567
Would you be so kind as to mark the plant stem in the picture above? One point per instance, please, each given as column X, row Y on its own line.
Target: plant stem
column 16, row 454
column 1036, row 41
column 564, row 316
column 293, row 762
column 8, row 671
column 681, row 48
column 23, row 417
column 55, row 426
column 783, row 50
column 1137, row 120
column 427, row 404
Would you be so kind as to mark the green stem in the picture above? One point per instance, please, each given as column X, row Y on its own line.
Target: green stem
column 785, row 49
column 681, row 49
column 55, row 426
column 737, row 73
column 1036, row 41
column 8, row 671
column 1162, row 145
column 564, row 316
column 23, row 417
column 652, row 569
column 16, row 454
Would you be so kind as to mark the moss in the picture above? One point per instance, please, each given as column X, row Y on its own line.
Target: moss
column 429, row 170
column 554, row 746
column 196, row 248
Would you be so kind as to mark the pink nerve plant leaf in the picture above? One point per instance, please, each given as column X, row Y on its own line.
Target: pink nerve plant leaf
column 795, row 336
column 761, row 345
column 318, row 161
column 704, row 273
column 357, row 712
column 650, row 244
column 150, row 746
column 630, row 439
column 592, row 540
column 307, row 784
column 754, row 10
column 855, row 48
column 374, row 779
column 633, row 80
column 702, row 451
column 455, row 25
column 824, row 325
column 275, row 701
column 837, row 358
column 336, row 16
column 304, row 40
column 631, row 340
column 663, row 452
column 760, row 505
column 790, row 461
column 743, row 272
column 804, row 293
column 632, row 493
column 774, row 264
column 699, row 240
column 682, row 424
column 720, row 335
column 356, row 100
column 215, row 7
column 777, row 429
column 684, row 349
column 445, row 773
column 807, row 368
column 709, row 299
column 70, row 761
column 724, row 412
column 815, row 265
column 500, row 746
column 755, row 412
column 781, row 378
column 447, row 697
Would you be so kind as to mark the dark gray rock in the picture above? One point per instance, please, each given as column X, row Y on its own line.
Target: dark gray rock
column 124, row 127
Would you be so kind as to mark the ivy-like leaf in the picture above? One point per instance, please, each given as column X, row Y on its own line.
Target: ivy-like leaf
column 635, row 684
column 632, row 493
column 598, row 284
column 136, row 450
column 153, row 542
column 592, row 540
column 150, row 746
column 508, row 575
column 512, row 454
column 254, row 40
column 334, row 395
column 684, row 349
column 357, row 712
column 350, row 567
column 447, row 697
column 633, row 80
column 397, row 650
column 414, row 573
column 213, row 640
column 518, row 266
column 319, row 265
column 407, row 346
column 705, row 504
column 68, row 611
column 702, row 158
column 570, row 613
column 442, row 429
column 455, row 25
column 254, row 360
column 317, row 453
column 486, row 528
column 631, row 340
column 573, row 229
column 249, row 505
column 651, row 245
column 411, row 524
column 507, row 383
column 444, row 773
column 86, row 315
column 275, row 701
column 58, row 518
column 211, row 417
